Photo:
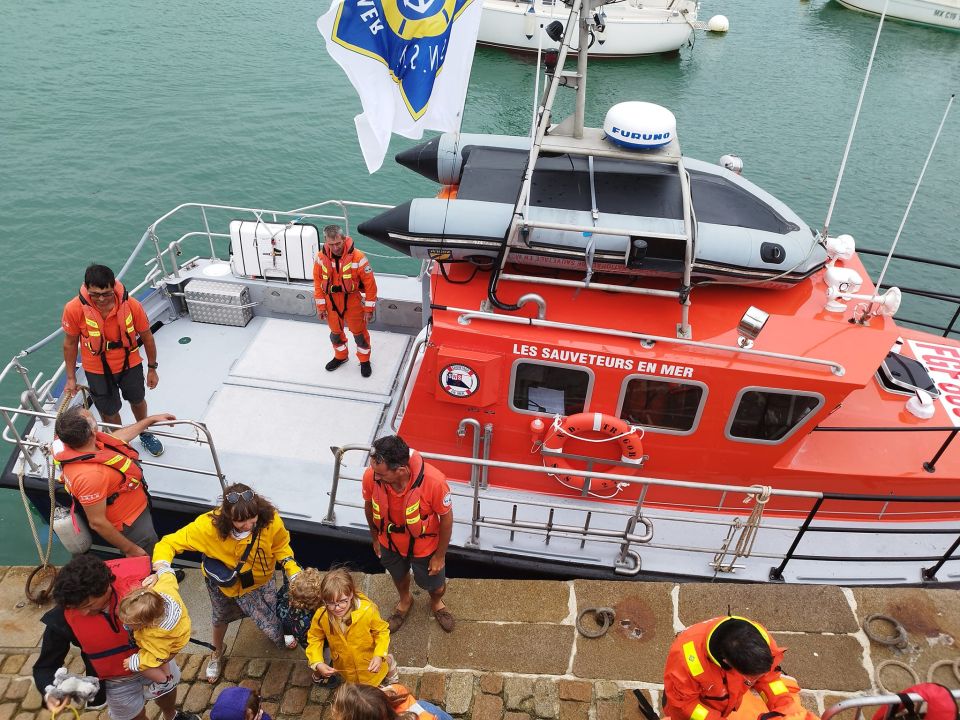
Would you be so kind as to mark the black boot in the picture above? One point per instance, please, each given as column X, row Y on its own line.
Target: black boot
column 335, row 363
column 365, row 369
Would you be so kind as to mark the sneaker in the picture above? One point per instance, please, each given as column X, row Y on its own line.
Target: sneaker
column 365, row 369
column 98, row 706
column 179, row 574
column 334, row 364
column 212, row 672
column 151, row 444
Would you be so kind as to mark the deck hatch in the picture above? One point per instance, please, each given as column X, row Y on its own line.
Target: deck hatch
column 904, row 376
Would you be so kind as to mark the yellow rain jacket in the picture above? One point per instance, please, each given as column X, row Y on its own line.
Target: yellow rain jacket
column 367, row 636
column 160, row 642
column 273, row 546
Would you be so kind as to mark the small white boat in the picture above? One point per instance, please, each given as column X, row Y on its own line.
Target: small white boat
column 943, row 13
column 630, row 27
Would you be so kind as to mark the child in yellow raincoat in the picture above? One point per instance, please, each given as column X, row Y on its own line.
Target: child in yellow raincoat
column 350, row 624
column 160, row 624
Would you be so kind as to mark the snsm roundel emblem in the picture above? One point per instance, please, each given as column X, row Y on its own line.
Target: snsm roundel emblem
column 459, row 380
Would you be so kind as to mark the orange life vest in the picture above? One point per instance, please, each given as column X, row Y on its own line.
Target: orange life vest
column 92, row 330
column 416, row 525
column 102, row 637
column 693, row 672
column 402, row 701
column 111, row 452
column 342, row 274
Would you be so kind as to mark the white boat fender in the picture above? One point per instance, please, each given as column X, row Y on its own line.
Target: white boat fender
column 72, row 530
column 529, row 22
column 640, row 125
column 718, row 24
column 732, row 162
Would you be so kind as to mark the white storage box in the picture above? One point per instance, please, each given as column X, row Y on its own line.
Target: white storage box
column 273, row 250
column 219, row 303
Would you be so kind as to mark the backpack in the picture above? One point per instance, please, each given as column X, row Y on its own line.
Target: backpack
column 941, row 704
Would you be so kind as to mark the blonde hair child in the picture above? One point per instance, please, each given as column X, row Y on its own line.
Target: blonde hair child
column 160, row 625
column 347, row 621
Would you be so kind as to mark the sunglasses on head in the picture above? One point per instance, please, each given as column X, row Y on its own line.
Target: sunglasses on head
column 235, row 497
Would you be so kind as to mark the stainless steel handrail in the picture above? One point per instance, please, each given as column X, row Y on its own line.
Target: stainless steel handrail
column 627, row 561
column 466, row 315
column 200, row 427
column 408, row 370
column 875, row 701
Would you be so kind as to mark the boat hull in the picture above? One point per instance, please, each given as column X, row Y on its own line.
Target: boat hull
column 629, row 31
column 940, row 14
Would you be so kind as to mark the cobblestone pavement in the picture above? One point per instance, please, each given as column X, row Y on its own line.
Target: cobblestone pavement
column 516, row 655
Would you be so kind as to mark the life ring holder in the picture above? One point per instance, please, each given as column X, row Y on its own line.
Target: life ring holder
column 629, row 437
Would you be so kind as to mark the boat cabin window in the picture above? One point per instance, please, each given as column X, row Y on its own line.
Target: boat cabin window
column 764, row 415
column 660, row 404
column 547, row 388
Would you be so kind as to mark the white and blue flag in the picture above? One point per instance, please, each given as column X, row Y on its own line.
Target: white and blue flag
column 409, row 61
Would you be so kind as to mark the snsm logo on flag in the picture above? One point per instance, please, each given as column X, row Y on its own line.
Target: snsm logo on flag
column 409, row 61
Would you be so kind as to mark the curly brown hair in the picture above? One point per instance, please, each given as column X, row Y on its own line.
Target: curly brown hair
column 228, row 512
column 305, row 590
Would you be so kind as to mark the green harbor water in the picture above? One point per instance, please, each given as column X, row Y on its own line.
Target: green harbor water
column 113, row 113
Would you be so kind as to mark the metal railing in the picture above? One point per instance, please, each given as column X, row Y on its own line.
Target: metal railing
column 628, row 559
column 28, row 446
column 876, row 701
column 945, row 297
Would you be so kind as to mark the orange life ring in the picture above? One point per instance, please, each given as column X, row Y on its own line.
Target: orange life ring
column 631, row 448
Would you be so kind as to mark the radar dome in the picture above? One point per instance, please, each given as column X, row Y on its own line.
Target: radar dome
column 640, row 125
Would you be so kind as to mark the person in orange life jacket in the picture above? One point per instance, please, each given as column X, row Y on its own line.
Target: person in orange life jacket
column 712, row 667
column 87, row 593
column 109, row 326
column 345, row 291
column 102, row 473
column 396, row 481
column 393, row 702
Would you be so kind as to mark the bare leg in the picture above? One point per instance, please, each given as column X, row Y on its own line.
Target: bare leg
column 115, row 419
column 219, row 632
column 403, row 589
column 167, row 704
column 436, row 602
column 139, row 410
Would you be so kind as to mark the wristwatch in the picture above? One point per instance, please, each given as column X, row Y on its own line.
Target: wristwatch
column 153, row 366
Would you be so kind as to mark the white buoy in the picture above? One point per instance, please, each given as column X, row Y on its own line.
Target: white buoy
column 718, row 24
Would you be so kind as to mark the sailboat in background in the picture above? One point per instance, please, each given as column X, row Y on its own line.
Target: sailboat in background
column 626, row 28
column 941, row 13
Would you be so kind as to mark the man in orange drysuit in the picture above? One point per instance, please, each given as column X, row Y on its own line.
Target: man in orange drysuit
column 712, row 666
column 345, row 291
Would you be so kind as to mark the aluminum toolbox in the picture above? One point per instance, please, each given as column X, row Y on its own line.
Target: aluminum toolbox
column 219, row 303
